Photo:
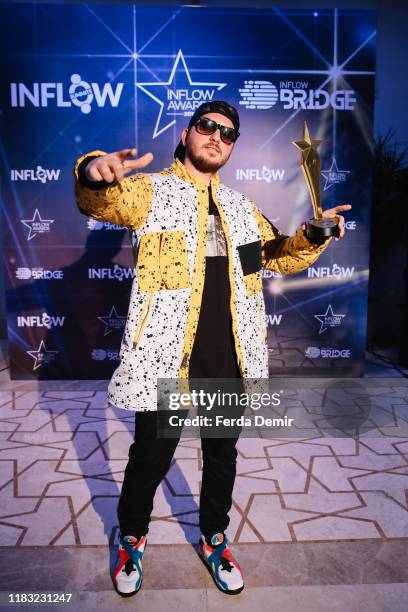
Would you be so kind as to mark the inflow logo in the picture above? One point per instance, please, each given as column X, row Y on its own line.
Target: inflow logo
column 115, row 273
column 260, row 174
column 36, row 225
column 181, row 100
column 80, row 94
column 273, row 319
column 293, row 96
column 43, row 320
column 335, row 271
column 314, row 352
column 38, row 274
column 39, row 174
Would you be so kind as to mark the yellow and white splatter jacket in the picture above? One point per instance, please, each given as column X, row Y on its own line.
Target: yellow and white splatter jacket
column 168, row 213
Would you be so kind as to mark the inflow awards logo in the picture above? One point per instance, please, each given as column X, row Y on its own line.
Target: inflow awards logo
column 329, row 319
column 113, row 321
column 42, row 356
column 178, row 97
column 334, row 176
column 37, row 225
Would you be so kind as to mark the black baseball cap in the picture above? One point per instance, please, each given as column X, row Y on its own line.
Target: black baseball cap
column 216, row 106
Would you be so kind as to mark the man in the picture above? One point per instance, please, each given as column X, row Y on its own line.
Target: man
column 196, row 310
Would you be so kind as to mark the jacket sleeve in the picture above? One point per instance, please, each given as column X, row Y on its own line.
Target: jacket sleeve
column 125, row 203
column 286, row 254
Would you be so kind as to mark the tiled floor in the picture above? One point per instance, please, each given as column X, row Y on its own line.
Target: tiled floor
column 321, row 521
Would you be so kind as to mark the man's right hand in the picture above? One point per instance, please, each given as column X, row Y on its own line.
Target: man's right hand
column 114, row 166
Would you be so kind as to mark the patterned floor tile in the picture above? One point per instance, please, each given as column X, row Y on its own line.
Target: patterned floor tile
column 63, row 453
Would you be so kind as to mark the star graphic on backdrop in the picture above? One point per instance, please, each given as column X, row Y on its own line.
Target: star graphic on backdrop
column 42, row 355
column 36, row 225
column 165, row 84
column 113, row 321
column 333, row 175
column 329, row 319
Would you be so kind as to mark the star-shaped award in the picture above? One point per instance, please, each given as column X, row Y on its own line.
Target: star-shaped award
column 319, row 228
column 311, row 163
column 307, row 144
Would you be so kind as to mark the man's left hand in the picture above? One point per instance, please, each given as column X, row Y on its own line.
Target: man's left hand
column 333, row 212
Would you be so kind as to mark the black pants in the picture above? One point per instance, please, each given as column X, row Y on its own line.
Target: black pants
column 149, row 461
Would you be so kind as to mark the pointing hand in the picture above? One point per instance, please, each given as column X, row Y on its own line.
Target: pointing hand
column 114, row 166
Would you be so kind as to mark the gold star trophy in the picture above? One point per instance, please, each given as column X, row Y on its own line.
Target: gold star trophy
column 318, row 229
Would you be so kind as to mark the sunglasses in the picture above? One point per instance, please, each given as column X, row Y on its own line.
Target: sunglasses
column 208, row 126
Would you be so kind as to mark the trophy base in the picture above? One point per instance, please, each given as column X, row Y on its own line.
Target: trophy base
column 319, row 230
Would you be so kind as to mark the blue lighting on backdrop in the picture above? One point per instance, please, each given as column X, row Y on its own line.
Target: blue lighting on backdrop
column 81, row 77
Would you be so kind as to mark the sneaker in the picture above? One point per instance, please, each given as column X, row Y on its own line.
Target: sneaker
column 128, row 574
column 224, row 569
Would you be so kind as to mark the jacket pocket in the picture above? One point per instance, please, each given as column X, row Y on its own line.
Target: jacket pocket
column 163, row 261
column 174, row 260
column 251, row 263
column 253, row 283
column 142, row 321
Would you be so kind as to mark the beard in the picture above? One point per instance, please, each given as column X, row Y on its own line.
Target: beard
column 202, row 163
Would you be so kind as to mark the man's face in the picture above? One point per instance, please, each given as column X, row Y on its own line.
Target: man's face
column 207, row 153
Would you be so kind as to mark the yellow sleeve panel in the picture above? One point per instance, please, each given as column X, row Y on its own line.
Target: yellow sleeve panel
column 125, row 203
column 284, row 254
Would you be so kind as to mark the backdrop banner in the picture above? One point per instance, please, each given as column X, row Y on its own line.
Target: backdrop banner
column 81, row 77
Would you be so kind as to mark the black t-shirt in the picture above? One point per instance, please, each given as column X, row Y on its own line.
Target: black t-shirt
column 213, row 354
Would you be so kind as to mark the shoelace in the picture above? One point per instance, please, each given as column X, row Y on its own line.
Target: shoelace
column 223, row 556
column 133, row 550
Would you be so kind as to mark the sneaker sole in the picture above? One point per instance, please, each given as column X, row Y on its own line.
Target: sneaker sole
column 227, row 591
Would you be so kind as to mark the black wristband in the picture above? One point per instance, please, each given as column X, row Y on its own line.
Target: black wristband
column 84, row 180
